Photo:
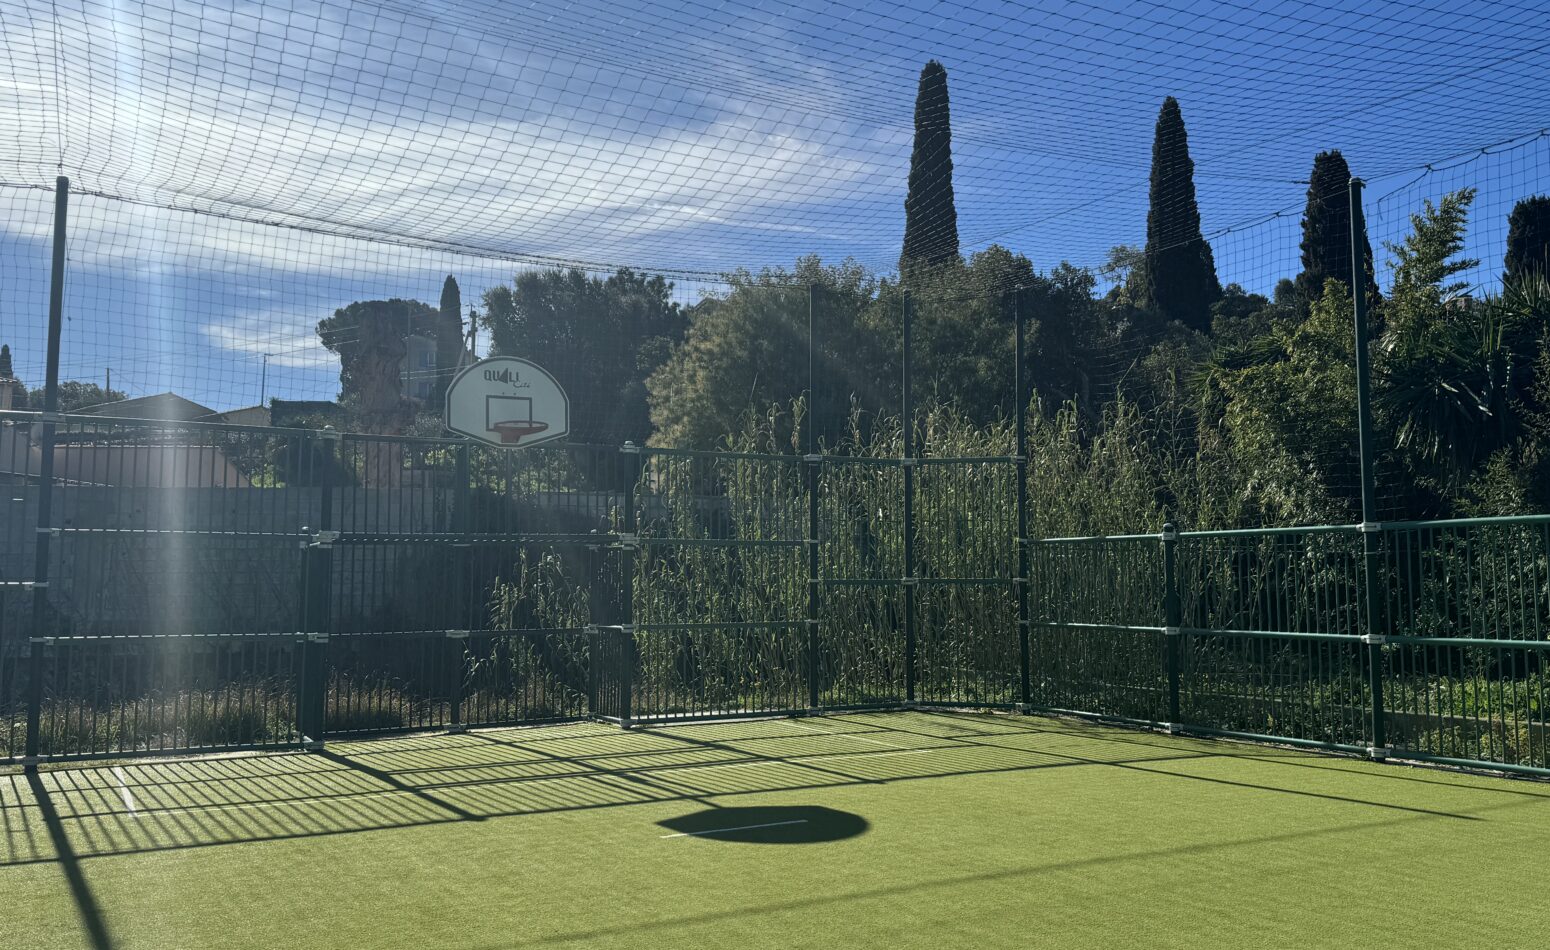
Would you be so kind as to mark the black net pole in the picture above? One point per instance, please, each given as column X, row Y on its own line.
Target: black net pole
column 39, row 640
column 908, row 463
column 1372, row 552
column 812, row 463
column 1020, row 409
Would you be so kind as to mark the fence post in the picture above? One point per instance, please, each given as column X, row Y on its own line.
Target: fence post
column 37, row 648
column 317, row 595
column 457, row 640
column 629, row 545
column 908, row 465
column 812, row 462
column 1171, row 619
column 1375, row 634
column 1020, row 468
column 312, row 703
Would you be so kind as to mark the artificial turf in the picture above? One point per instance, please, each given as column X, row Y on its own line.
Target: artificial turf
column 881, row 830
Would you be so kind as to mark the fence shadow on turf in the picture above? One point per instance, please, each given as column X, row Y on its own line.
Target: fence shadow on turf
column 68, row 815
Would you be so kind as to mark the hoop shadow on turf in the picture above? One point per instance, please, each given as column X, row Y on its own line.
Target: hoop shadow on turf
column 770, row 824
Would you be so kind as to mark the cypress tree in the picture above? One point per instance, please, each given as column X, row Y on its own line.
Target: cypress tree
column 1178, row 275
column 1326, row 230
column 1528, row 238
column 449, row 340
column 930, row 219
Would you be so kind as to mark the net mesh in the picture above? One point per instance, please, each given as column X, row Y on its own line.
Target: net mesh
column 241, row 174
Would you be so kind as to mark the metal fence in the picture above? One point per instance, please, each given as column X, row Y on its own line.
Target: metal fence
column 186, row 586
column 213, row 587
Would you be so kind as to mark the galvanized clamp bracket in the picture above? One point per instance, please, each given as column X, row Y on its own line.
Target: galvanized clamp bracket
column 1168, row 534
column 628, row 629
column 909, row 581
column 1379, row 752
column 1172, row 631
column 908, row 462
column 1173, row 728
column 51, row 532
column 591, row 628
column 315, row 637
column 1019, row 460
column 1375, row 639
column 812, row 459
column 57, row 418
column 313, row 745
column 812, row 624
column 1021, row 580
column 324, row 539
column 1370, row 527
column 42, row 641
column 457, row 634
column 34, row 585
column 630, row 448
column 329, row 434
column 626, row 542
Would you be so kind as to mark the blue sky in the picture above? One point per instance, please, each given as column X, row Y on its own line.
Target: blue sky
column 687, row 137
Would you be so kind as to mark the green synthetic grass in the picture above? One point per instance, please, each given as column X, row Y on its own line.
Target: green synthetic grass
column 887, row 830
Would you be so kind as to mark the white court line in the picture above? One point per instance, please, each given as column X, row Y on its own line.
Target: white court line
column 722, row 831
column 844, row 735
column 123, row 791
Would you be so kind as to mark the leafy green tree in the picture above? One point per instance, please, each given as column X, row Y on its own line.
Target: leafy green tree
column 601, row 338
column 1528, row 238
column 449, row 342
column 930, row 217
column 962, row 335
column 1178, row 274
column 1070, row 336
column 1457, row 374
column 1326, row 230
column 746, row 350
column 1286, row 403
column 75, row 395
column 371, row 337
column 1425, row 265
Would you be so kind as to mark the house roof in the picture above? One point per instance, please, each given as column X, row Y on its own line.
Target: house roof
column 247, row 415
column 169, row 407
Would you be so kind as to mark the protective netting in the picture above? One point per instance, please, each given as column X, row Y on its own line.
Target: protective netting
column 242, row 174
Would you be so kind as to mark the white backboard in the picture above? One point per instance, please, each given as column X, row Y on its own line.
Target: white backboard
column 508, row 402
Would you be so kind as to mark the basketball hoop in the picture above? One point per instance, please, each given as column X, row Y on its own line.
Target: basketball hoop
column 513, row 431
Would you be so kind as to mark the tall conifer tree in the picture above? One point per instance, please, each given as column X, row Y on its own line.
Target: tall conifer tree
column 1178, row 273
column 1528, row 237
column 930, row 218
column 449, row 341
column 1326, row 229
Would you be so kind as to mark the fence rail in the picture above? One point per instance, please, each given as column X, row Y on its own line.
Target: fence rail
column 223, row 587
